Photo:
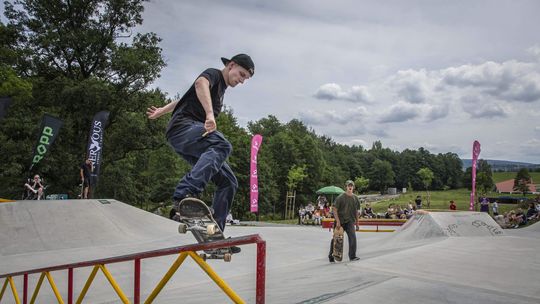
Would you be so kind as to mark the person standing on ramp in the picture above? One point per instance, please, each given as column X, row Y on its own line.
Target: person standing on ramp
column 192, row 133
column 346, row 215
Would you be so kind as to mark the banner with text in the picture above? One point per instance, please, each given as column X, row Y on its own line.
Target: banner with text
column 95, row 143
column 4, row 105
column 256, row 142
column 475, row 153
column 48, row 131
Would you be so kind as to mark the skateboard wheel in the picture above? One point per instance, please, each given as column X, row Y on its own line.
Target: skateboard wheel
column 227, row 257
column 211, row 229
column 203, row 256
column 182, row 228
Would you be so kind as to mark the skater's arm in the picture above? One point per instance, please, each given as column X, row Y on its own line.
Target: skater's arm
column 155, row 112
column 202, row 88
column 336, row 217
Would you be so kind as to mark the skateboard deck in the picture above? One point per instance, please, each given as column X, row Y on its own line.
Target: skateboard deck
column 337, row 250
column 195, row 216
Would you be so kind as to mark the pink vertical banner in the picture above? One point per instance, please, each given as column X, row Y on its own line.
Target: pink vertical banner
column 256, row 142
column 475, row 153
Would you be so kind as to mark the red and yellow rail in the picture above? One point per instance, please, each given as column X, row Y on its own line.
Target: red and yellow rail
column 183, row 251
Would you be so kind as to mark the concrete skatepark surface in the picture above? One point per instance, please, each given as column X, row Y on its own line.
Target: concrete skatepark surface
column 447, row 257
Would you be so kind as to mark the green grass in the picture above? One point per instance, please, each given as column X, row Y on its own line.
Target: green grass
column 441, row 200
column 502, row 176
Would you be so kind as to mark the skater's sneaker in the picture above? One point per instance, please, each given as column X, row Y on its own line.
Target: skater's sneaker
column 355, row 259
column 331, row 259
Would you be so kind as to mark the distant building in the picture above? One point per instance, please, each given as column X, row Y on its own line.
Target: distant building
column 507, row 186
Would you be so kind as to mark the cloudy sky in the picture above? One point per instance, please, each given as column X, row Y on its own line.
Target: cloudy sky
column 432, row 74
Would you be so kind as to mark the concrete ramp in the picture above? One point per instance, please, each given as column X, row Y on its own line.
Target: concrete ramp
column 429, row 225
column 76, row 230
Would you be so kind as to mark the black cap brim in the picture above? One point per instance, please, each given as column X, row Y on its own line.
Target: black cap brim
column 225, row 60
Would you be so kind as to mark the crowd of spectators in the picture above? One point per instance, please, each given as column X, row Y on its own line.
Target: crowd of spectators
column 315, row 213
column 518, row 217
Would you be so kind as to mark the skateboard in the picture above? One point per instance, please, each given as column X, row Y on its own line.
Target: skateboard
column 195, row 216
column 337, row 250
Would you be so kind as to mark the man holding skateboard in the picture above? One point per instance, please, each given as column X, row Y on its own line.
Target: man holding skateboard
column 346, row 215
column 192, row 133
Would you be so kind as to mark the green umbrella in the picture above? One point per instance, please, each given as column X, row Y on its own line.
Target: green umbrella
column 330, row 190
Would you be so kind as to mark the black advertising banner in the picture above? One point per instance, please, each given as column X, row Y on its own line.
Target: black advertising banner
column 4, row 105
column 48, row 131
column 95, row 142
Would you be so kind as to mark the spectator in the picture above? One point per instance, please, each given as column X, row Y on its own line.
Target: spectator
column 367, row 212
column 495, row 208
column 310, row 209
column 317, row 217
column 390, row 212
column 517, row 218
column 34, row 188
column 452, row 205
column 418, row 202
column 532, row 213
column 484, row 205
column 326, row 210
column 321, row 201
column 86, row 173
column 301, row 215
column 400, row 214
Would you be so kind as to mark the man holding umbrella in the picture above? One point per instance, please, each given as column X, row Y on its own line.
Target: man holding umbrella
column 346, row 216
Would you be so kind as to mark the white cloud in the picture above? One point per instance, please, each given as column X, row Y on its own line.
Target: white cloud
column 324, row 118
column 534, row 50
column 411, row 85
column 399, row 113
column 437, row 112
column 331, row 91
column 478, row 108
column 379, row 133
column 510, row 80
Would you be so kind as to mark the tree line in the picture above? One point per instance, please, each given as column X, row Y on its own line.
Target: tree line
column 72, row 59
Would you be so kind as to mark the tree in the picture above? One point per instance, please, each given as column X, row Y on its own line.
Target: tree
column 80, row 58
column 295, row 176
column 361, row 184
column 426, row 175
column 522, row 181
column 381, row 175
column 484, row 176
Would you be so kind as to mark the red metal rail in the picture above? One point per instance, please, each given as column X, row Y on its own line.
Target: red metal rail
column 137, row 257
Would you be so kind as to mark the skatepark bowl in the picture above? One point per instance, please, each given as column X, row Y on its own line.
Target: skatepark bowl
column 437, row 257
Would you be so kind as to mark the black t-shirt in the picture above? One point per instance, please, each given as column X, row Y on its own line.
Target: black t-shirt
column 86, row 170
column 189, row 108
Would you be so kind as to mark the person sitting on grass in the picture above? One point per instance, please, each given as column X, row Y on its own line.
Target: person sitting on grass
column 367, row 212
column 532, row 213
column 452, row 205
column 516, row 218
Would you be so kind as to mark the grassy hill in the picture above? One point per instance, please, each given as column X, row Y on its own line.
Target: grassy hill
column 441, row 200
column 502, row 176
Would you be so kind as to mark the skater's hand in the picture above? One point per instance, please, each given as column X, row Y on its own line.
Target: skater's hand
column 210, row 124
column 154, row 112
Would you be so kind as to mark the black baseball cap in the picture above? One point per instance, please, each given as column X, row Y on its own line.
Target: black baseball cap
column 242, row 60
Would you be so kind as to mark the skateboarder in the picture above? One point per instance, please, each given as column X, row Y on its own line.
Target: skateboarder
column 192, row 134
column 346, row 216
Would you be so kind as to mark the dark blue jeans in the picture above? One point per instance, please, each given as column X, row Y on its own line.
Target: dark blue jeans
column 350, row 229
column 207, row 156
